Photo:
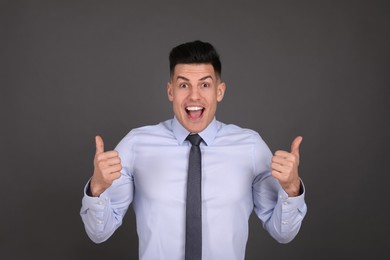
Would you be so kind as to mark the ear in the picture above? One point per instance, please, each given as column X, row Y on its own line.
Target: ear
column 221, row 91
column 170, row 91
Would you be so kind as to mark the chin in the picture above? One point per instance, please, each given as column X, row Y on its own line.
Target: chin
column 191, row 127
column 194, row 130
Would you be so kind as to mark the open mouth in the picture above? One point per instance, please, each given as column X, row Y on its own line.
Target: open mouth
column 194, row 112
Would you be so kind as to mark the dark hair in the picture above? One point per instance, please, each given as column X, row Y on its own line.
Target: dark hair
column 196, row 52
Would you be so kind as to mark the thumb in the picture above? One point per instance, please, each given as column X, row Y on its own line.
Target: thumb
column 295, row 145
column 99, row 144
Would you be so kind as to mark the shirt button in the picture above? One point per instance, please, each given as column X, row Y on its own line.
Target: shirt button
column 100, row 202
column 285, row 203
column 106, row 197
column 100, row 222
column 284, row 222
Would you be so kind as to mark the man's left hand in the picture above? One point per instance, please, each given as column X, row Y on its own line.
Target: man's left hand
column 285, row 168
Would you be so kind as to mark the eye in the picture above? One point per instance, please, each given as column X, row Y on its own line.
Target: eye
column 183, row 85
column 205, row 85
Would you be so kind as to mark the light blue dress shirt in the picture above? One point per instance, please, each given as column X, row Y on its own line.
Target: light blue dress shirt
column 236, row 180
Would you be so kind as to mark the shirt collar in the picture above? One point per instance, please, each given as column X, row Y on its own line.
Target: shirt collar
column 208, row 134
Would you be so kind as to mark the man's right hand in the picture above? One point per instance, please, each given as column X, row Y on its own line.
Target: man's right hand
column 107, row 167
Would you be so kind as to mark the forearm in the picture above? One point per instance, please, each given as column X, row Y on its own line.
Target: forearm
column 280, row 214
column 103, row 215
column 287, row 216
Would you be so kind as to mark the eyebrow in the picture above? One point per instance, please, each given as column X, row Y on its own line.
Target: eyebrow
column 185, row 79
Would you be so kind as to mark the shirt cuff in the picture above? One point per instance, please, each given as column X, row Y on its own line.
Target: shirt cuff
column 95, row 203
column 296, row 200
column 292, row 208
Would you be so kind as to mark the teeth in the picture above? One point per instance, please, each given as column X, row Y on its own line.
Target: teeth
column 194, row 108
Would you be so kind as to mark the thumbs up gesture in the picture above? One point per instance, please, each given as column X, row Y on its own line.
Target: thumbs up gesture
column 107, row 167
column 285, row 168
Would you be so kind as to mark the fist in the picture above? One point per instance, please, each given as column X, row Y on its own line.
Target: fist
column 284, row 167
column 107, row 167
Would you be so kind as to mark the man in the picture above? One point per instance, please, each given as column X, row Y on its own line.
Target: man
column 148, row 169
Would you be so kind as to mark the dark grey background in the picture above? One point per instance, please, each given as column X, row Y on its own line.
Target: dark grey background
column 73, row 69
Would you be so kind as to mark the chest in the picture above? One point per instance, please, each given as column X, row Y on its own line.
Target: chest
column 160, row 174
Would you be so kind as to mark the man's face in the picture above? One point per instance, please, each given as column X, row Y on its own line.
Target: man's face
column 194, row 91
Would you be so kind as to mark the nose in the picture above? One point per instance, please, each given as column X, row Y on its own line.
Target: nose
column 194, row 93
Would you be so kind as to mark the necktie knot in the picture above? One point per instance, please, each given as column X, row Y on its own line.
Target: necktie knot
column 194, row 139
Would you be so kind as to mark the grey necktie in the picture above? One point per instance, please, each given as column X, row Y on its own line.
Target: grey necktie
column 193, row 250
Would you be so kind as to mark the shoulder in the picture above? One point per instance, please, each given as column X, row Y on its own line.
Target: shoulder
column 235, row 133
column 161, row 128
column 149, row 133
